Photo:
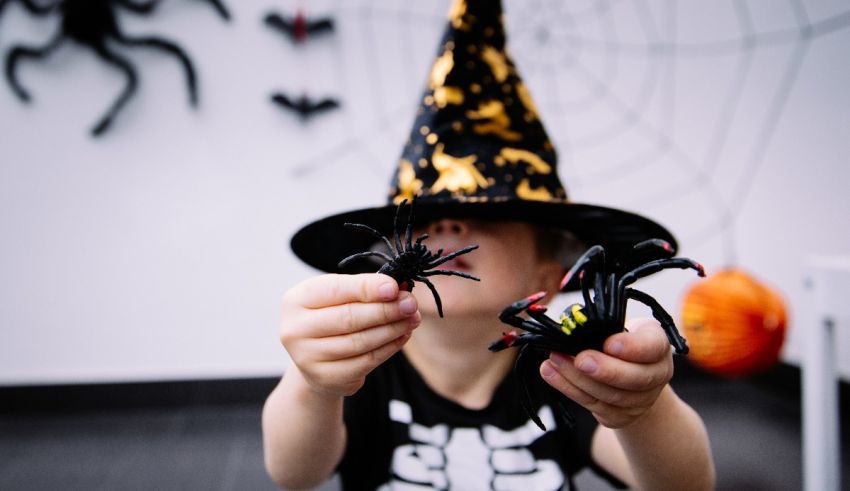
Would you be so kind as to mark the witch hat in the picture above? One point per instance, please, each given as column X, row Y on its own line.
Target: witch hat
column 477, row 149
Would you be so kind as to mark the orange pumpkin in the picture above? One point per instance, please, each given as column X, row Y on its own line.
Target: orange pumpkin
column 735, row 325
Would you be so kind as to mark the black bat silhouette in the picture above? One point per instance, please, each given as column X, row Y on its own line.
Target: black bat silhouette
column 298, row 28
column 303, row 105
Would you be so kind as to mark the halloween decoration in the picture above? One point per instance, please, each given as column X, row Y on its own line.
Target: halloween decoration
column 410, row 261
column 298, row 28
column 305, row 107
column 587, row 326
column 93, row 23
column 477, row 149
column 735, row 323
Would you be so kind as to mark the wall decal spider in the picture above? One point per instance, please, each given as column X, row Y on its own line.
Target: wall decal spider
column 94, row 24
column 587, row 326
column 408, row 261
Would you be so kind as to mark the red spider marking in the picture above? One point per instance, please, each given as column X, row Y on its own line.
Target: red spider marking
column 537, row 308
column 537, row 296
column 509, row 338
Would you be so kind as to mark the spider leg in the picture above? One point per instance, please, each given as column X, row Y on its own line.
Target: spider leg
column 538, row 313
column 582, row 262
column 524, row 368
column 656, row 245
column 433, row 292
column 597, row 310
column 132, row 81
column 19, row 52
column 615, row 299
column 374, row 232
column 169, row 47
column 447, row 272
column 34, row 8
column 440, row 260
column 654, row 267
column 220, row 8
column 509, row 313
column 676, row 340
column 352, row 257
column 408, row 235
column 139, row 7
column 396, row 232
column 420, row 239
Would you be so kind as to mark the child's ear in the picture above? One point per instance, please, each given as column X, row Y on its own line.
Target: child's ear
column 549, row 277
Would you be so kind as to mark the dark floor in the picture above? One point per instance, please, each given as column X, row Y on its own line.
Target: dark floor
column 755, row 434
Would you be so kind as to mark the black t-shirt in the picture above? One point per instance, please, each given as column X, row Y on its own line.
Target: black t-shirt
column 402, row 435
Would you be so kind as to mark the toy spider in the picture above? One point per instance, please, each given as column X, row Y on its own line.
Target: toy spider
column 93, row 23
column 587, row 326
column 410, row 261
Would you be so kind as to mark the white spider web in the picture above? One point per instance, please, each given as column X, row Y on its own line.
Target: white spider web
column 652, row 106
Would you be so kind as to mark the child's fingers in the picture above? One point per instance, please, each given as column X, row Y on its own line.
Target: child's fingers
column 357, row 367
column 362, row 341
column 645, row 342
column 352, row 317
column 337, row 289
column 622, row 374
column 625, row 394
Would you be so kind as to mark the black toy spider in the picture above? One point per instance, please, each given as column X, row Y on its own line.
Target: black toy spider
column 587, row 326
column 410, row 261
column 93, row 23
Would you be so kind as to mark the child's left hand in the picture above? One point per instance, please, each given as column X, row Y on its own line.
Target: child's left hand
column 620, row 384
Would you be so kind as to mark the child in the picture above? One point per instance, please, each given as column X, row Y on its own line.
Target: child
column 390, row 395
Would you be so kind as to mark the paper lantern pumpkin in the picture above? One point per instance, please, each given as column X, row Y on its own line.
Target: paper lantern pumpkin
column 735, row 325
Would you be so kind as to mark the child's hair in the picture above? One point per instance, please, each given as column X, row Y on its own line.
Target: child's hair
column 559, row 245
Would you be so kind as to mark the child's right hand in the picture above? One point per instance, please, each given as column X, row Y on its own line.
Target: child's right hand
column 338, row 328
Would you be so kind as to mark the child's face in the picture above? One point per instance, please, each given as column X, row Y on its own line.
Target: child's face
column 506, row 260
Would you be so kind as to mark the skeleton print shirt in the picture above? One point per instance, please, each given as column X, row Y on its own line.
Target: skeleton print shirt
column 404, row 436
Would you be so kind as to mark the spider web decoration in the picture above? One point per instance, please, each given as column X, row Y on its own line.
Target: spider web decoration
column 652, row 106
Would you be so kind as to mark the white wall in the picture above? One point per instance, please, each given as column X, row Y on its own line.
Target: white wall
column 160, row 251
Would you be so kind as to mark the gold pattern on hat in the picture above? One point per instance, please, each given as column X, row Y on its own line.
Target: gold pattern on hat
column 457, row 174
column 408, row 185
column 457, row 13
column 524, row 191
column 497, row 121
column 516, row 155
column 442, row 67
column 498, row 63
column 444, row 96
column 525, row 97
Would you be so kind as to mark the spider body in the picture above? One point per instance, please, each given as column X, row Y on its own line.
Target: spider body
column 409, row 261
column 94, row 24
column 587, row 326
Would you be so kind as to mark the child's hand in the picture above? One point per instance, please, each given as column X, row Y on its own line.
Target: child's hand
column 621, row 384
column 338, row 328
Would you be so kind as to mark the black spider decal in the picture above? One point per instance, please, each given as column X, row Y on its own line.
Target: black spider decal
column 93, row 23
column 587, row 326
column 410, row 261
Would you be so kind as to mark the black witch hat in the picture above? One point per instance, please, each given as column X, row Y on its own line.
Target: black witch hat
column 477, row 150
